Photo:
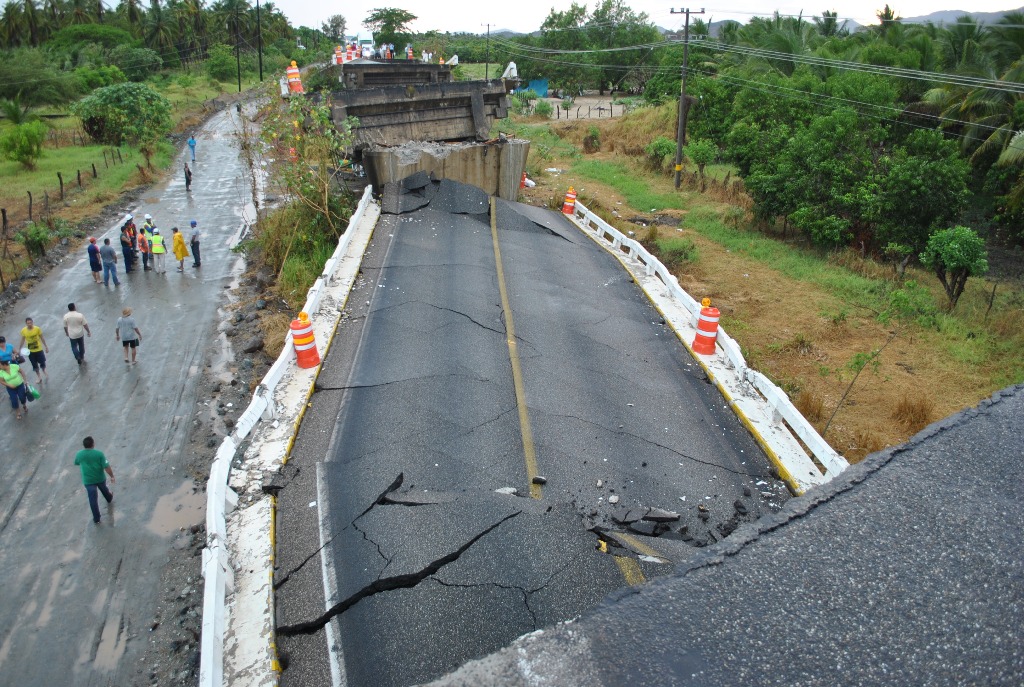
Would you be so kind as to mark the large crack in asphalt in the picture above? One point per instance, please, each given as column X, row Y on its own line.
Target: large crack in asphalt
column 380, row 500
column 385, row 584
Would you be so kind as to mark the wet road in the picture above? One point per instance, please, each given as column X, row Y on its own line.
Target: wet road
column 425, row 411
column 78, row 598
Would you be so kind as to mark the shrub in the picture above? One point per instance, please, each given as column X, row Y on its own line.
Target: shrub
column 128, row 112
column 91, row 78
column 136, row 63
column 24, row 143
column 544, row 109
column 659, row 150
column 954, row 255
column 592, row 141
column 221, row 64
column 35, row 237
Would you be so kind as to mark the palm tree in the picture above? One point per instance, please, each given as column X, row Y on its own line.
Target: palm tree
column 32, row 21
column 12, row 25
column 158, row 29
column 79, row 12
column 131, row 13
column 960, row 39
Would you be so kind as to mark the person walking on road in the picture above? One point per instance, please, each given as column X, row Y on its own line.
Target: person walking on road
column 77, row 329
column 180, row 250
column 109, row 257
column 188, row 179
column 145, row 247
column 159, row 250
column 127, row 332
column 192, row 147
column 127, row 248
column 33, row 336
column 10, row 377
column 95, row 266
column 193, row 242
column 93, row 464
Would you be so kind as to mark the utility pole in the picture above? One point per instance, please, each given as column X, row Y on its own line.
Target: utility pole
column 259, row 40
column 487, row 59
column 681, row 131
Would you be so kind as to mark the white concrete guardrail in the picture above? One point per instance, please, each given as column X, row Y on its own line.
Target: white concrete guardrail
column 801, row 456
column 218, row 571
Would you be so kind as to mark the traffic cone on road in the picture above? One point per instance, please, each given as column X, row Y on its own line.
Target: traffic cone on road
column 569, row 206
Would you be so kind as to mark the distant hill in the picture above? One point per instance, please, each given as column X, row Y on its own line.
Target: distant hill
column 950, row 16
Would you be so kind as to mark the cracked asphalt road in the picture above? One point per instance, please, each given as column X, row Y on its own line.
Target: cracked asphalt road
column 424, row 573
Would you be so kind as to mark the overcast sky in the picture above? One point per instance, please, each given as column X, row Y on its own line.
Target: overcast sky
column 527, row 15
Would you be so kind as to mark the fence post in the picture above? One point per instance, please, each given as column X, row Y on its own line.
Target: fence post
column 60, row 178
column 46, row 206
column 119, row 158
column 79, row 178
column 29, row 205
column 93, row 170
column 3, row 211
column 105, row 165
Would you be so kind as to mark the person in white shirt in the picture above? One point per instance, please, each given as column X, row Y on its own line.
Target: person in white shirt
column 77, row 329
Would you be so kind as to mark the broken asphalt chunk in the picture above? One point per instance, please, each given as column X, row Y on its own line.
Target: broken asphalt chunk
column 661, row 515
column 539, row 479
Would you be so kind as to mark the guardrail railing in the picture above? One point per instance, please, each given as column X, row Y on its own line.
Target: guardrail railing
column 218, row 575
column 776, row 398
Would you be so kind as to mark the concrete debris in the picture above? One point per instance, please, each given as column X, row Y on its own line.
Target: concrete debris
column 540, row 479
column 508, row 491
column 614, row 498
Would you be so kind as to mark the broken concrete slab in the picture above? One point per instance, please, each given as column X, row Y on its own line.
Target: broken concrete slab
column 661, row 515
column 495, row 166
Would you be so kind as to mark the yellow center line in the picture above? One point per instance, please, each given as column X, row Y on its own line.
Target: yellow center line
column 630, row 570
column 517, row 371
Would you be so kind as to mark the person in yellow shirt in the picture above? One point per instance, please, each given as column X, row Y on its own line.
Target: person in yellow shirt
column 33, row 336
column 179, row 248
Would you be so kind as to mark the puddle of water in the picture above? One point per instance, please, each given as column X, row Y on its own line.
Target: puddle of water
column 113, row 642
column 183, row 507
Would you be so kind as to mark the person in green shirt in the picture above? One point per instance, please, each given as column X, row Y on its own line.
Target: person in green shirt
column 93, row 464
column 10, row 377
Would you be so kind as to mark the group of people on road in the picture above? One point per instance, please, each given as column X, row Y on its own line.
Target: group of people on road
column 145, row 242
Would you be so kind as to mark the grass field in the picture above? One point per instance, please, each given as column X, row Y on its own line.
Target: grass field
column 478, row 70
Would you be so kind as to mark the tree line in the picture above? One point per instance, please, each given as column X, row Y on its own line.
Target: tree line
column 875, row 138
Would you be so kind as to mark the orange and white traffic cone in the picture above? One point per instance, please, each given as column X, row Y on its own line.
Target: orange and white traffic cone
column 569, row 206
column 707, row 329
column 306, row 355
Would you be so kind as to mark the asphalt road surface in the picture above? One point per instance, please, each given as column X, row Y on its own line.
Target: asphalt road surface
column 77, row 597
column 475, row 356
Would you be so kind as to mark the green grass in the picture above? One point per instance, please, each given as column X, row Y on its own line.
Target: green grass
column 300, row 271
column 476, row 71
column 18, row 181
column 633, row 188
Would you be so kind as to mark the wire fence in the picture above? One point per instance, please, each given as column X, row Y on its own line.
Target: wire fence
column 38, row 206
